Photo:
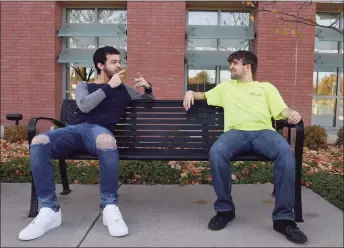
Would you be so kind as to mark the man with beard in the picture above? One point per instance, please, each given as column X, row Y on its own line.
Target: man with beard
column 100, row 106
column 248, row 107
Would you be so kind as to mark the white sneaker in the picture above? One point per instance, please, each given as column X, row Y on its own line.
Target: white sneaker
column 112, row 218
column 46, row 220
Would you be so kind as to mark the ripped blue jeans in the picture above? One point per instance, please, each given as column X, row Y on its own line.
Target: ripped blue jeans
column 97, row 141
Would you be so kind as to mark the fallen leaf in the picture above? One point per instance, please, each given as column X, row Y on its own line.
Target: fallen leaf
column 19, row 173
column 309, row 184
column 274, row 11
column 191, row 168
column 323, row 168
column 250, row 4
column 184, row 175
column 245, row 172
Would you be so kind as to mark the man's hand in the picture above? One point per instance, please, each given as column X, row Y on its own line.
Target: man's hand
column 188, row 100
column 294, row 117
column 116, row 79
column 141, row 82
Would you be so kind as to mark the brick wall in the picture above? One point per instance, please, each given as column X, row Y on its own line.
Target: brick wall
column 31, row 78
column 287, row 61
column 29, row 74
column 156, row 38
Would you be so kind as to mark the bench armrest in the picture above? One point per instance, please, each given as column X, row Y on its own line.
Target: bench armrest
column 31, row 129
column 300, row 135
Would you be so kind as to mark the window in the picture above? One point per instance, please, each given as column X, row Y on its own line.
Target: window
column 83, row 31
column 327, row 104
column 211, row 37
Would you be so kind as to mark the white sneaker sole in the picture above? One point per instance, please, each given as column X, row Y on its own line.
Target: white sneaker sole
column 31, row 237
column 116, row 234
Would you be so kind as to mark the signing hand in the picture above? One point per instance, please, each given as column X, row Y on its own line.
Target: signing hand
column 141, row 82
column 116, row 79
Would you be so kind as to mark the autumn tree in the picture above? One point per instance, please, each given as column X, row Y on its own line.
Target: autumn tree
column 271, row 7
column 201, row 77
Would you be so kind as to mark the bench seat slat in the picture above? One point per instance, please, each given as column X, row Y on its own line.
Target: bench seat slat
column 168, row 127
column 165, row 155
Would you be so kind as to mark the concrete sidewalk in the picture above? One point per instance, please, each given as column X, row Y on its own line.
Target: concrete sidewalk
column 168, row 215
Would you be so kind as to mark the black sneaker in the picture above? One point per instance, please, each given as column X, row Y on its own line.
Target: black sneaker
column 220, row 220
column 290, row 231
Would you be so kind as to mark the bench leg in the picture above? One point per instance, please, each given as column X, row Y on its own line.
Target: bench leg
column 273, row 192
column 64, row 177
column 298, row 198
column 34, row 200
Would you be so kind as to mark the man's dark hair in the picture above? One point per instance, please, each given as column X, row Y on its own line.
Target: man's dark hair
column 247, row 58
column 100, row 55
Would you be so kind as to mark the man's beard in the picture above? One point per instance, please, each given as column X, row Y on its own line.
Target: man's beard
column 108, row 73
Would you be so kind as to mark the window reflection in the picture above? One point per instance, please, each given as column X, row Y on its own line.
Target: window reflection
column 202, row 18
column 340, row 118
column 80, row 16
column 235, row 18
column 323, row 112
column 201, row 80
column 202, row 44
column 327, row 82
column 77, row 74
column 341, row 83
column 225, row 74
column 107, row 16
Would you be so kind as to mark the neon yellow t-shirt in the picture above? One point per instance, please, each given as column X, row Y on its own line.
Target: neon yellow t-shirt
column 247, row 106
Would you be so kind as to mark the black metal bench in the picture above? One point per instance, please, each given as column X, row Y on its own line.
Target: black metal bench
column 163, row 130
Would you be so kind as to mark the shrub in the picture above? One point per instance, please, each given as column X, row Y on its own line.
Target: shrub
column 316, row 137
column 15, row 133
column 340, row 137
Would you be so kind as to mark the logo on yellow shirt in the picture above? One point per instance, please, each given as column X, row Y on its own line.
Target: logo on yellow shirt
column 256, row 93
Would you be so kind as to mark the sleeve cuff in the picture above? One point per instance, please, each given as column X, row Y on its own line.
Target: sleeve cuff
column 107, row 89
column 148, row 91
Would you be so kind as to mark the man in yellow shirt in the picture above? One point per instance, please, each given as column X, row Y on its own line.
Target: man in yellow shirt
column 248, row 107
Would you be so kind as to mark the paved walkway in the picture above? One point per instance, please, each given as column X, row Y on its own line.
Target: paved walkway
column 169, row 216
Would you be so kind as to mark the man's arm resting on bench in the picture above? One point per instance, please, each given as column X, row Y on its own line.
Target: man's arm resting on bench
column 190, row 98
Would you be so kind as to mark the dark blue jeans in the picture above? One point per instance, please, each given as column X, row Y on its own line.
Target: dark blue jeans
column 66, row 141
column 266, row 142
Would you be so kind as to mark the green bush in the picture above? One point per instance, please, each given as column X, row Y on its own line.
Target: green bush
column 316, row 137
column 15, row 133
column 340, row 137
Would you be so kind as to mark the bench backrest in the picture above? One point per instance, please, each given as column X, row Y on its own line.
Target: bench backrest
column 163, row 129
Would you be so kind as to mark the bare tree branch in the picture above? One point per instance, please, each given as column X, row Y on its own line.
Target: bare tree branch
column 271, row 7
column 311, row 24
column 90, row 74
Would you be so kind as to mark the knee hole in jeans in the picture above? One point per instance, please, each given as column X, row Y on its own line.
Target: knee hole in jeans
column 105, row 141
column 40, row 139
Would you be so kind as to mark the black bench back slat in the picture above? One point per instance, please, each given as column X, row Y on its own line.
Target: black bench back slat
column 163, row 128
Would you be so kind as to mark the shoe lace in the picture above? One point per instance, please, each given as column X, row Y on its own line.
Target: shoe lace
column 292, row 226
column 39, row 216
column 114, row 215
column 218, row 218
